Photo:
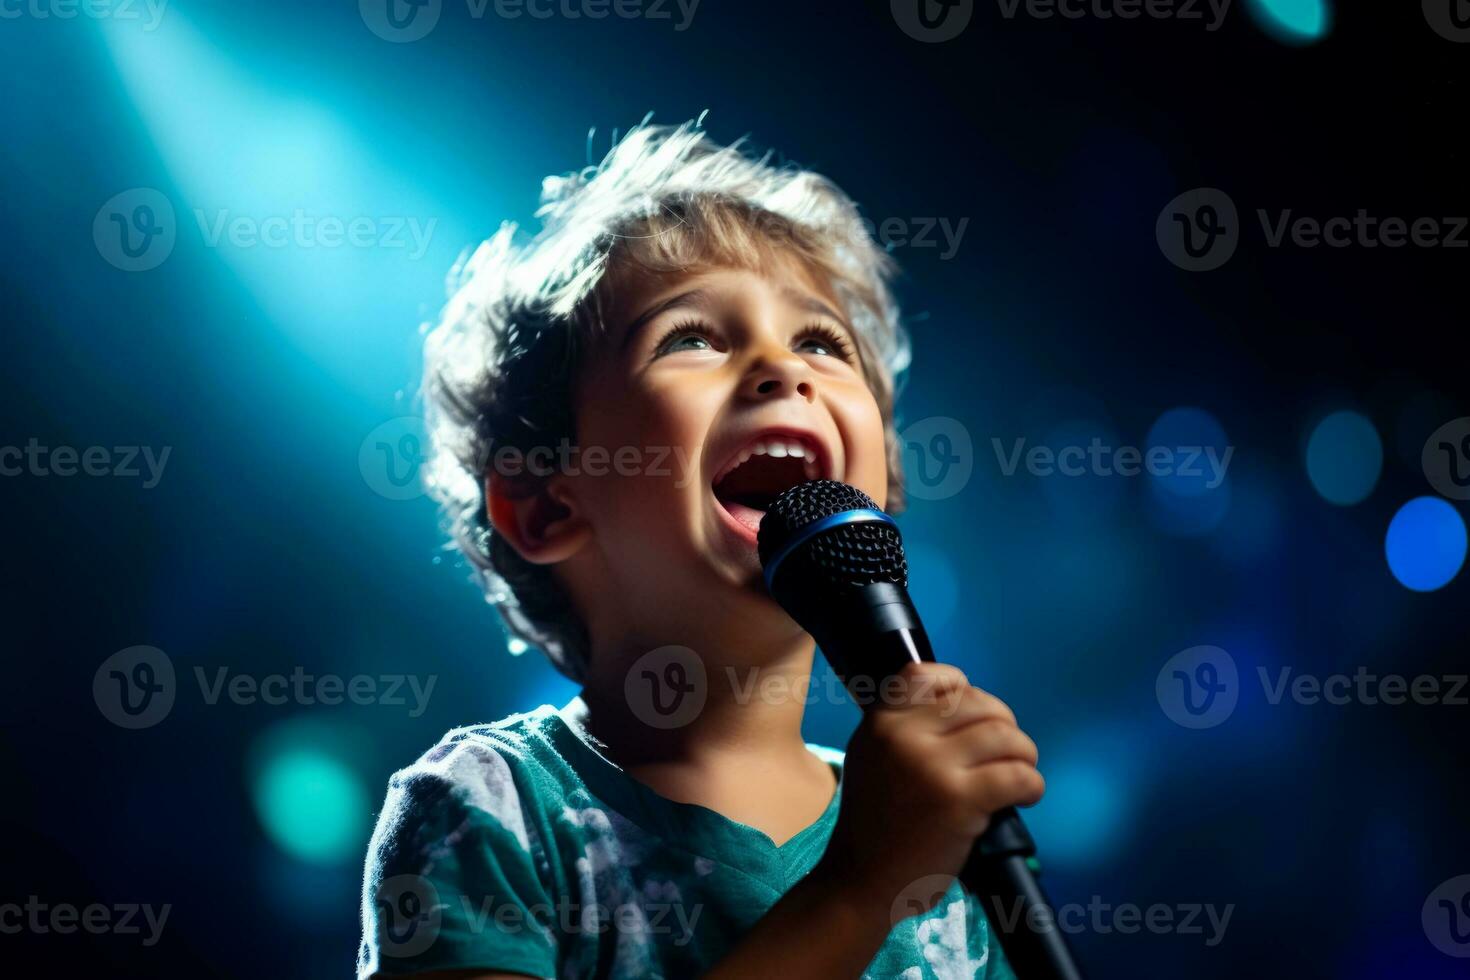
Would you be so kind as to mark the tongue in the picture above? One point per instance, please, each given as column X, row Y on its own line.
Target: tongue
column 747, row 515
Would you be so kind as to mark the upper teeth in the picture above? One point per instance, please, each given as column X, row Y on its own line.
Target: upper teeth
column 778, row 446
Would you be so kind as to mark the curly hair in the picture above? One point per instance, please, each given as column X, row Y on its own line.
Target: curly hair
column 501, row 363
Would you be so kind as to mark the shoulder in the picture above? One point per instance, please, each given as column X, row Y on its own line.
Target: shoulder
column 497, row 771
column 462, row 837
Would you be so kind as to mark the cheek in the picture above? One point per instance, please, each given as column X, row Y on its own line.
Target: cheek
column 662, row 425
column 647, row 415
column 867, row 452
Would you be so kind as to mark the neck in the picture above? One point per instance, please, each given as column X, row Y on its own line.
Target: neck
column 673, row 706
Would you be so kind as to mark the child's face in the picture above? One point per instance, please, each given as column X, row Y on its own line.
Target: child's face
column 707, row 366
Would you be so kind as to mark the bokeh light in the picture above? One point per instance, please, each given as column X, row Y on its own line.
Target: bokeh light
column 1187, row 457
column 1344, row 458
column 310, row 801
column 1197, row 451
column 1090, row 786
column 1294, row 21
column 1426, row 544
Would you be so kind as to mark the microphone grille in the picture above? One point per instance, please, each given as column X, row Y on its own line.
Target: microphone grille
column 845, row 556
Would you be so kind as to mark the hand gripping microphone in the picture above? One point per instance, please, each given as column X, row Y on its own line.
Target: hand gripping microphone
column 835, row 563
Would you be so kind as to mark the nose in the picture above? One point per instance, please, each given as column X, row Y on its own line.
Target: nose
column 780, row 376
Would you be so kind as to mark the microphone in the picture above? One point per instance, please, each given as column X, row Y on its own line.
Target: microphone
column 835, row 563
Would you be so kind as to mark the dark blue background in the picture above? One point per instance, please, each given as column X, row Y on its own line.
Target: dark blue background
column 264, row 546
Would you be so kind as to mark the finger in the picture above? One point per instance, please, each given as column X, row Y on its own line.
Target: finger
column 921, row 683
column 990, row 740
column 959, row 708
column 1007, row 783
column 941, row 677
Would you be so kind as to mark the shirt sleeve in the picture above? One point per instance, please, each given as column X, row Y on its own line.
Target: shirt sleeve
column 451, row 881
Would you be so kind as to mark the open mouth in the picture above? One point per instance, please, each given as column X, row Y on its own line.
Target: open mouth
column 766, row 466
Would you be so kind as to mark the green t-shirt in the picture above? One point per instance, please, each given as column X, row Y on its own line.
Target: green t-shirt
column 519, row 847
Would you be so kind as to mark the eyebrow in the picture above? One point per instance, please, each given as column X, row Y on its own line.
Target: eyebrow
column 700, row 298
column 813, row 305
column 694, row 297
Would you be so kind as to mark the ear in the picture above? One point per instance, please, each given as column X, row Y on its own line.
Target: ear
column 539, row 518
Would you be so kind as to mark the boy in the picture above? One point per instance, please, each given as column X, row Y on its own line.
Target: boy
column 612, row 406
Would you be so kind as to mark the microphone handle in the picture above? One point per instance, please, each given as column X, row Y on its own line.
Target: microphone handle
column 881, row 622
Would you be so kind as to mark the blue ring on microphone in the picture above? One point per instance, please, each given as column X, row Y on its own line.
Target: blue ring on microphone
column 862, row 515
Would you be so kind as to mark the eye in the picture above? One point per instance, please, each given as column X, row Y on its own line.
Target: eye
column 684, row 337
column 820, row 338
